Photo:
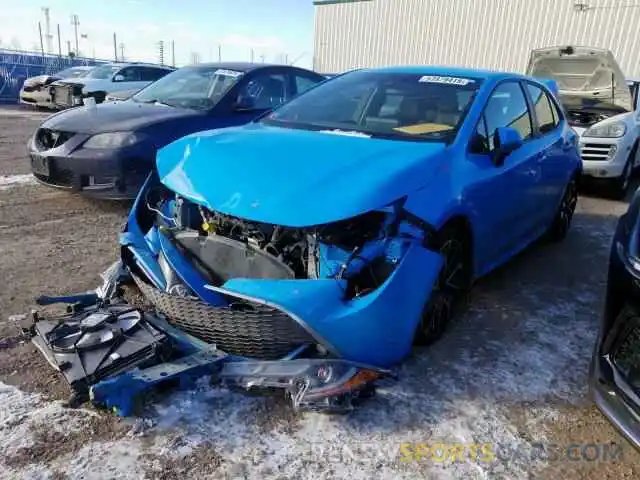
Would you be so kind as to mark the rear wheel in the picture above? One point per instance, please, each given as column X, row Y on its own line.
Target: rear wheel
column 562, row 221
column 450, row 289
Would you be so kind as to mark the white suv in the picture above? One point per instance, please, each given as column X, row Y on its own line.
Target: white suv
column 104, row 79
column 601, row 106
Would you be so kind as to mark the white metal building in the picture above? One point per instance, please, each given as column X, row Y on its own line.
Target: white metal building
column 492, row 34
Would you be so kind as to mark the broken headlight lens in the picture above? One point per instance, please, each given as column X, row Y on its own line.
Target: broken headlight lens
column 111, row 140
column 320, row 377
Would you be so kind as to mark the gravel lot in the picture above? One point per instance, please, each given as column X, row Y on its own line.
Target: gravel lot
column 511, row 372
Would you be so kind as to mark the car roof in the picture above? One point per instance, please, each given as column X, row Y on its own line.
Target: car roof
column 240, row 66
column 449, row 72
column 136, row 64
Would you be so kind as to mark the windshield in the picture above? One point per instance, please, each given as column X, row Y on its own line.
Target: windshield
column 402, row 106
column 73, row 72
column 198, row 88
column 103, row 72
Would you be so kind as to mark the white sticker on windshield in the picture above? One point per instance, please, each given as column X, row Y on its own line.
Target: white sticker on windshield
column 228, row 73
column 445, row 80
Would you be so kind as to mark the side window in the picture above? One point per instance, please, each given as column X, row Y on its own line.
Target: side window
column 130, row 74
column 547, row 118
column 266, row 90
column 481, row 142
column 507, row 107
column 303, row 83
column 150, row 74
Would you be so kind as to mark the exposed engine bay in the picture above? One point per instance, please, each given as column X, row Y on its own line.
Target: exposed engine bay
column 585, row 112
column 223, row 247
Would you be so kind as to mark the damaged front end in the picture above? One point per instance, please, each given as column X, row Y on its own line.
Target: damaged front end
column 320, row 312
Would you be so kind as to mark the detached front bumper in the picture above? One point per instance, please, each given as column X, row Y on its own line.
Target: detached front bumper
column 114, row 362
column 114, row 174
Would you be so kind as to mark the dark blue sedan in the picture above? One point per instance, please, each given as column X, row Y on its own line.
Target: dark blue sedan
column 107, row 150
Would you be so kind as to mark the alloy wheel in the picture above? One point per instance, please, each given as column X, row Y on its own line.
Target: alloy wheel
column 447, row 289
column 568, row 205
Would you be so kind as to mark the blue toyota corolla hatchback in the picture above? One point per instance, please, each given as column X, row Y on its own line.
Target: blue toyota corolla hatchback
column 314, row 245
column 361, row 210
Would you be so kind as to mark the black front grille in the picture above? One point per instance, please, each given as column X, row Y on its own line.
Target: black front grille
column 47, row 139
column 58, row 176
column 255, row 331
column 29, row 88
column 626, row 347
column 62, row 176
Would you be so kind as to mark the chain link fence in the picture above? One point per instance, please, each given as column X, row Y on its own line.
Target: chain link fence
column 16, row 66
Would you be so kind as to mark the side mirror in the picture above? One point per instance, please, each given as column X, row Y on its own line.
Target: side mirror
column 118, row 78
column 245, row 104
column 505, row 141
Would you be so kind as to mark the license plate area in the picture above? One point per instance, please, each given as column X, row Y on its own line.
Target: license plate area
column 40, row 164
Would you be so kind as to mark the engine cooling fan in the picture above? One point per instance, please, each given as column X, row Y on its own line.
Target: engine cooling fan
column 97, row 343
column 95, row 330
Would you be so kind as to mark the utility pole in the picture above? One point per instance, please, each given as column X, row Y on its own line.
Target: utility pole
column 41, row 42
column 173, row 53
column 115, row 47
column 121, row 52
column 59, row 42
column 47, row 30
column 219, row 53
column 75, row 21
column 252, row 55
column 161, row 51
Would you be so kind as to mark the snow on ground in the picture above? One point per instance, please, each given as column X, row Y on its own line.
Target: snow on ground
column 8, row 181
column 437, row 399
column 509, row 364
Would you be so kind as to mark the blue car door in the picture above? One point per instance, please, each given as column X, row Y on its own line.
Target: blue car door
column 502, row 195
column 554, row 144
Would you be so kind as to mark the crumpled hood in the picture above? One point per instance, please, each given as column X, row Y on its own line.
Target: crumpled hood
column 582, row 71
column 295, row 177
column 114, row 117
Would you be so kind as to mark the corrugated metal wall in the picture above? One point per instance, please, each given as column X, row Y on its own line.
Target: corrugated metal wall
column 493, row 34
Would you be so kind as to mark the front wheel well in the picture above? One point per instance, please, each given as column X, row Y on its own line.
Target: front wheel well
column 460, row 227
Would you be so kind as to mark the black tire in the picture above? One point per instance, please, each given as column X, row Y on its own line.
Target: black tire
column 562, row 221
column 452, row 285
column 620, row 186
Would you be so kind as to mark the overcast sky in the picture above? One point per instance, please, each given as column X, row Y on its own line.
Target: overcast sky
column 272, row 28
